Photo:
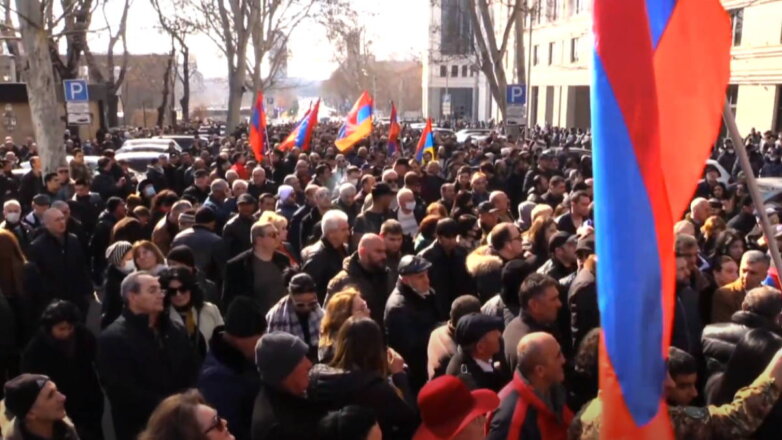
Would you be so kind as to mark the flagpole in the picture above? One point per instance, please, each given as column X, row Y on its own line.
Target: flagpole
column 752, row 184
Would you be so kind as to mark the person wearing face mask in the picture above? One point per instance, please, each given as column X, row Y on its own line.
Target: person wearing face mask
column 64, row 349
column 406, row 213
column 12, row 212
column 120, row 263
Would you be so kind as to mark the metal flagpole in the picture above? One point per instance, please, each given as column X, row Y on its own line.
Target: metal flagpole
column 752, row 184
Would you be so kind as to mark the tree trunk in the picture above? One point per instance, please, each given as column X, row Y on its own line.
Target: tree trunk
column 112, row 106
column 161, row 110
column 236, row 80
column 520, row 54
column 41, row 87
column 185, row 100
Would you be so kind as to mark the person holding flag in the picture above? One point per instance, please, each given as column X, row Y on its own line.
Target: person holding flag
column 426, row 144
column 258, row 137
column 301, row 136
column 358, row 124
column 394, row 130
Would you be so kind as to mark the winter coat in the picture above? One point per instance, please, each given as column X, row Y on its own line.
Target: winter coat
column 719, row 340
column 448, row 276
column 394, row 406
column 686, row 322
column 727, row 301
column 439, row 351
column 208, row 249
column 74, row 374
column 163, row 234
column 29, row 186
column 207, row 319
column 375, row 287
column 111, row 305
column 486, row 270
column 236, row 235
column 63, row 430
column 8, row 328
column 521, row 326
column 240, row 279
column 467, row 369
column 230, row 383
column 278, row 415
column 99, row 242
column 582, row 302
column 64, row 268
column 524, row 415
column 139, row 367
column 409, row 320
column 323, row 261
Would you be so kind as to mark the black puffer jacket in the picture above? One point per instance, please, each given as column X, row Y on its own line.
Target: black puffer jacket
column 336, row 388
column 719, row 340
column 322, row 261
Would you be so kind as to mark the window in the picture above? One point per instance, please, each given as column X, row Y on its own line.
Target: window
column 473, row 71
column 443, row 71
column 535, row 55
column 456, row 30
column 737, row 20
column 550, row 53
column 553, row 5
column 464, row 71
column 454, row 71
column 574, row 50
column 733, row 97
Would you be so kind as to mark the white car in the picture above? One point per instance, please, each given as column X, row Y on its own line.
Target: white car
column 477, row 134
column 150, row 145
column 724, row 175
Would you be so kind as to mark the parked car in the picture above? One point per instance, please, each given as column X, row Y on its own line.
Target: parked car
column 138, row 160
column 183, row 140
column 150, row 145
column 477, row 134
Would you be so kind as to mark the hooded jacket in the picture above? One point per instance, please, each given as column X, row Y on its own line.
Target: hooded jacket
column 394, row 406
column 486, row 269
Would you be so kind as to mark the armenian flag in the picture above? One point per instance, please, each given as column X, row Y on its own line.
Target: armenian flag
column 258, row 138
column 301, row 136
column 393, row 132
column 358, row 124
column 661, row 68
column 425, row 143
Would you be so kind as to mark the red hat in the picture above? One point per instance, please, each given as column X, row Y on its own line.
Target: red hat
column 447, row 407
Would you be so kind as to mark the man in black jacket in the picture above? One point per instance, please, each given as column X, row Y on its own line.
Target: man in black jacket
column 236, row 233
column 324, row 259
column 540, row 304
column 60, row 257
column 448, row 272
column 281, row 411
column 260, row 184
column 143, row 356
column 115, row 211
column 410, row 316
column 480, row 341
column 31, row 184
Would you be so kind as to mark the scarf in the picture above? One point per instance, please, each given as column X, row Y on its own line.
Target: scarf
column 282, row 317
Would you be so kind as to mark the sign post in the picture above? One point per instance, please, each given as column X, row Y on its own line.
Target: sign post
column 77, row 99
column 516, row 99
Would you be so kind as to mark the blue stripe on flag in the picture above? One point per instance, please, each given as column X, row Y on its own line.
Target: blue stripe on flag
column 658, row 12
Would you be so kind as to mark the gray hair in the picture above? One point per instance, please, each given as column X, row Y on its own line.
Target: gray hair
column 258, row 229
column 347, row 189
column 237, row 183
column 219, row 185
column 60, row 204
column 331, row 220
column 290, row 178
column 754, row 256
column 181, row 206
column 132, row 283
column 404, row 192
column 11, row 202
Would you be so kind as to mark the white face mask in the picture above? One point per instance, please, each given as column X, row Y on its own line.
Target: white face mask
column 12, row 217
column 410, row 206
column 128, row 267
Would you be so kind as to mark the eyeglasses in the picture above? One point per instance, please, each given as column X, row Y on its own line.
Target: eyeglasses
column 181, row 290
column 218, row 423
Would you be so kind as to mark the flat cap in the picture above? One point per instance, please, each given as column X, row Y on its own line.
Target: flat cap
column 411, row 264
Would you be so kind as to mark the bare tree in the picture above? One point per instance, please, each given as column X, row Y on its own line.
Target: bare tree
column 162, row 110
column 179, row 25
column 41, row 83
column 109, row 78
column 76, row 18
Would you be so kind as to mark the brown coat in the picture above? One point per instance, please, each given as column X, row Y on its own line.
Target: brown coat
column 727, row 300
column 161, row 237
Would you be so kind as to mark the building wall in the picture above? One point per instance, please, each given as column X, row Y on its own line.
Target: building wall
column 562, row 79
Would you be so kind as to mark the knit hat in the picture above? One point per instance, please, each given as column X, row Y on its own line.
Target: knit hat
column 301, row 283
column 244, row 318
column 21, row 393
column 277, row 354
column 116, row 252
column 182, row 254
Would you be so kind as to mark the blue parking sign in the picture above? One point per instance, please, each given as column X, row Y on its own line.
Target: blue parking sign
column 76, row 90
column 516, row 94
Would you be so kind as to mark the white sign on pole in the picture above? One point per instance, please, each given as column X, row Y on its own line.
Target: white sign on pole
column 79, row 118
column 77, row 107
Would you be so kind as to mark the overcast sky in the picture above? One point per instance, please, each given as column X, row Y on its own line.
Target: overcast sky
column 396, row 28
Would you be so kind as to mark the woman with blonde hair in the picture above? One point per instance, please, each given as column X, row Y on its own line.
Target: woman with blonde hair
column 185, row 416
column 339, row 308
column 711, row 230
column 283, row 246
column 147, row 257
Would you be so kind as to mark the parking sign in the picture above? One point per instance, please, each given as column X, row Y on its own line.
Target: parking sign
column 76, row 90
column 516, row 94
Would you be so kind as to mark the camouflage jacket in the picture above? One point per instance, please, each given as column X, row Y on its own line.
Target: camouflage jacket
column 736, row 420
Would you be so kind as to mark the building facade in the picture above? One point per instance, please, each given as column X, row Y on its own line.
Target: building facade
column 561, row 55
column 453, row 87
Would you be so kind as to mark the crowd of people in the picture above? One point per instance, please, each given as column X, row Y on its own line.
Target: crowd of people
column 321, row 295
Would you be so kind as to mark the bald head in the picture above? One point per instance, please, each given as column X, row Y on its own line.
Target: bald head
column 54, row 221
column 372, row 252
column 540, row 359
column 699, row 210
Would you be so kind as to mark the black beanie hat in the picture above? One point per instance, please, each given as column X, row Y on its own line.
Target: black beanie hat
column 244, row 318
column 182, row 254
column 21, row 393
column 301, row 283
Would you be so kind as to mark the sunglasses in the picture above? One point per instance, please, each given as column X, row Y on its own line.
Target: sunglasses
column 218, row 423
column 181, row 290
column 307, row 305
